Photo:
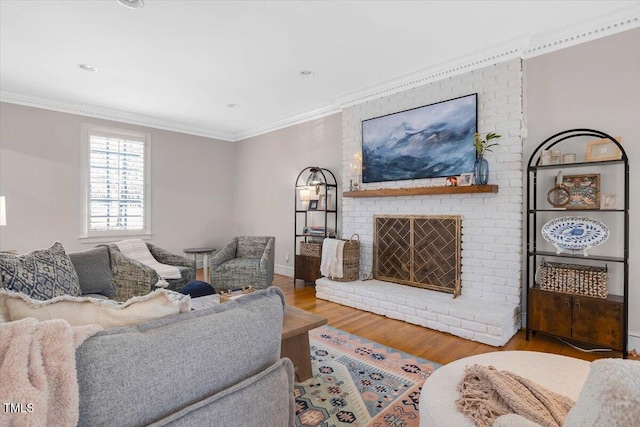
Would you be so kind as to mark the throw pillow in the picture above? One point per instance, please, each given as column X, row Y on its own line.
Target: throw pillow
column 80, row 311
column 93, row 267
column 610, row 395
column 42, row 274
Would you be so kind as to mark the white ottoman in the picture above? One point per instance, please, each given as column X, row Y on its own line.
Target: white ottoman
column 564, row 375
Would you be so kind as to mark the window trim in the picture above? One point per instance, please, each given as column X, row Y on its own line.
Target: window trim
column 86, row 235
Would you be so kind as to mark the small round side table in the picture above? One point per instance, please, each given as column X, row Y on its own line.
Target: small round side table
column 205, row 252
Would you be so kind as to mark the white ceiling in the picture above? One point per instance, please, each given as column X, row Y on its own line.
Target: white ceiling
column 178, row 64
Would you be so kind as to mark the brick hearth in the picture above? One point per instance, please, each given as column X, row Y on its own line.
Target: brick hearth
column 487, row 322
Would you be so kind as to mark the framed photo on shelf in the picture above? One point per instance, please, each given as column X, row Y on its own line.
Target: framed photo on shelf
column 324, row 203
column 603, row 149
column 465, row 179
column 313, row 205
column 584, row 191
column 609, row 201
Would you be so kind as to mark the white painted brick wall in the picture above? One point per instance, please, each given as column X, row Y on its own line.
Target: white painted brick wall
column 492, row 223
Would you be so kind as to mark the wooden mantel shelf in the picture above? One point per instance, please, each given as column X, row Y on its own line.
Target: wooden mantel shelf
column 422, row 191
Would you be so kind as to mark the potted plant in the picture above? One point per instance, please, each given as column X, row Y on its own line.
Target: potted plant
column 481, row 167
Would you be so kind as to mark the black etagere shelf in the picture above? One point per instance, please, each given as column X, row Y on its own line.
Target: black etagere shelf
column 535, row 255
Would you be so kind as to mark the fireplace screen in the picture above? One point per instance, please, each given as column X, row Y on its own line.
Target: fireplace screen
column 421, row 251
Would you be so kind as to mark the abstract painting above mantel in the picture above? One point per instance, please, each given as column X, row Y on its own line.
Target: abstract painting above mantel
column 432, row 141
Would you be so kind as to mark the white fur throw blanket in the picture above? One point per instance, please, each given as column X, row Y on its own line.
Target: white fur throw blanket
column 137, row 250
column 486, row 394
column 38, row 372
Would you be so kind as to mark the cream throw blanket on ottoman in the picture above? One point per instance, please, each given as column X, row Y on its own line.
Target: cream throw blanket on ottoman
column 38, row 372
column 487, row 393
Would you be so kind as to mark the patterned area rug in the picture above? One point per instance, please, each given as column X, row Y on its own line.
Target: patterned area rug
column 357, row 382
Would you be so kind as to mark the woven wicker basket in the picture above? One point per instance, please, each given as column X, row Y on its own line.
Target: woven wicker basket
column 573, row 279
column 351, row 260
column 311, row 249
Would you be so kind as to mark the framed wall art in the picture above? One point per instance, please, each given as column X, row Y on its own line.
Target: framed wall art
column 603, row 149
column 584, row 191
column 313, row 205
column 432, row 141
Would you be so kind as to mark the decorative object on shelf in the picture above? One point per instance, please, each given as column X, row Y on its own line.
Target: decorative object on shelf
column 452, row 181
column 569, row 158
column 556, row 155
column 584, row 191
column 325, row 202
column 355, row 169
column 426, row 142
column 313, row 205
column 315, row 179
column 610, row 201
column 305, row 197
column 603, row 149
column 573, row 234
column 559, row 196
column 545, row 158
column 311, row 248
column 577, row 279
column 481, row 165
column 465, row 179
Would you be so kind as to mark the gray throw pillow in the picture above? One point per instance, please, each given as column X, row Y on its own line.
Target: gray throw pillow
column 93, row 267
column 42, row 274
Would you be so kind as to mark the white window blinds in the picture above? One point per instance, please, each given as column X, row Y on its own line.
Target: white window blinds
column 116, row 165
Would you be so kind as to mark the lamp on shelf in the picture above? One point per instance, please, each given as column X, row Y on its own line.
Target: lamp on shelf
column 315, row 178
column 305, row 196
column 3, row 211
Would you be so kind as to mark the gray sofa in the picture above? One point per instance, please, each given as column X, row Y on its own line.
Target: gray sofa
column 245, row 261
column 219, row 366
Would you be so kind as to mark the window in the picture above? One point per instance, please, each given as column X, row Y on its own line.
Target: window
column 116, row 184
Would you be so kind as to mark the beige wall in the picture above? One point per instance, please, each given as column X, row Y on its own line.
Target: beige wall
column 192, row 182
column 594, row 85
column 266, row 172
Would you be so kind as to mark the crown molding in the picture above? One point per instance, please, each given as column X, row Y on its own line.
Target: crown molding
column 111, row 114
column 303, row 117
column 523, row 47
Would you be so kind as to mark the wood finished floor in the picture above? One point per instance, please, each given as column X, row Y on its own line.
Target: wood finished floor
column 432, row 345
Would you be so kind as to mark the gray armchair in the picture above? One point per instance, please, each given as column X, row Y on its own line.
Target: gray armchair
column 132, row 278
column 245, row 261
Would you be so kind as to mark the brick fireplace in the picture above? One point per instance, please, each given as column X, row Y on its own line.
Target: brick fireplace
column 488, row 309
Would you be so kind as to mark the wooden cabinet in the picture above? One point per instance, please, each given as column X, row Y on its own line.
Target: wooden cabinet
column 596, row 321
column 307, row 268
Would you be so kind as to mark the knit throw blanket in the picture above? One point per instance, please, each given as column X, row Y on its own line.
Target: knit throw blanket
column 38, row 372
column 487, row 393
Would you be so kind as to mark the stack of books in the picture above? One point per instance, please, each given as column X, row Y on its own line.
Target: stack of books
column 319, row 231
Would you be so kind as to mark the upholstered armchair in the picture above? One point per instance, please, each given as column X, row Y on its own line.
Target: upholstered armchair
column 245, row 261
column 132, row 278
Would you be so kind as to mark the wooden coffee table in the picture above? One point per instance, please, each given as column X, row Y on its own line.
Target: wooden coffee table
column 295, row 339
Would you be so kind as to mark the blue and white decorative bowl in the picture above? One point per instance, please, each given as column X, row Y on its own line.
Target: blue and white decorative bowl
column 574, row 233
